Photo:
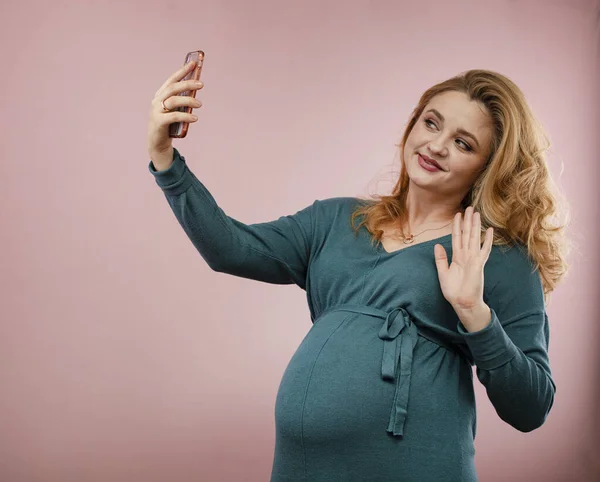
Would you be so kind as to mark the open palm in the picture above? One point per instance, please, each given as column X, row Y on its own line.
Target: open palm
column 462, row 282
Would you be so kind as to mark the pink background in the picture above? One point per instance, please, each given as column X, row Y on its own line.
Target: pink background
column 123, row 357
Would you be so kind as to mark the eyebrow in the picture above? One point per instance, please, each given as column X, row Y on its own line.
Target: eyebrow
column 459, row 130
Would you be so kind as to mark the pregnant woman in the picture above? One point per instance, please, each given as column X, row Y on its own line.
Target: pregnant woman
column 406, row 292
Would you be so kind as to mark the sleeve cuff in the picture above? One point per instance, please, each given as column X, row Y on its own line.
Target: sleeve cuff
column 174, row 180
column 491, row 347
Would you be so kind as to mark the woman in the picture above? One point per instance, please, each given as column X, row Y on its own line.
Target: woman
column 451, row 270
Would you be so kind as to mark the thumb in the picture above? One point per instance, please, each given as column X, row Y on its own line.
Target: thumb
column 441, row 259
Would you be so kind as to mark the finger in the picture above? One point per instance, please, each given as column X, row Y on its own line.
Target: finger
column 177, row 75
column 186, row 88
column 176, row 116
column 441, row 259
column 475, row 238
column 488, row 243
column 176, row 101
column 456, row 233
column 466, row 227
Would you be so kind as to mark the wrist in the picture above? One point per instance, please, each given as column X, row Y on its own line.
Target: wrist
column 475, row 318
column 162, row 160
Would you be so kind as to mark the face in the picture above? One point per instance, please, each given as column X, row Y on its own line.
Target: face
column 456, row 132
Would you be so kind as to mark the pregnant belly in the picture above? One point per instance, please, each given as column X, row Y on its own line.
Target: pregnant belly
column 333, row 390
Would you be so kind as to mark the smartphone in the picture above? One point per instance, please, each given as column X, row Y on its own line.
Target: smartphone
column 179, row 129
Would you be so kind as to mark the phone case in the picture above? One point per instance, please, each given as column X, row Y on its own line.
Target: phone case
column 179, row 129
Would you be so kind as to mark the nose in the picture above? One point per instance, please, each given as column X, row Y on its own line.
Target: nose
column 437, row 149
column 438, row 146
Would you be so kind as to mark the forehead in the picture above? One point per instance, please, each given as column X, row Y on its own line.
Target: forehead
column 460, row 111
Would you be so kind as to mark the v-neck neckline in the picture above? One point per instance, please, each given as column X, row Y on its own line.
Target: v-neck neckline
column 439, row 240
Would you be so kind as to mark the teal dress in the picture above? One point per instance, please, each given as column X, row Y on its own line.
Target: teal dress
column 381, row 387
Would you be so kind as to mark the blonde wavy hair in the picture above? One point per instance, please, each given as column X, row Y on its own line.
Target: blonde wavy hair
column 514, row 194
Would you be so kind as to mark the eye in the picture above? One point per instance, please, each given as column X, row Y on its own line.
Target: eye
column 428, row 122
column 466, row 147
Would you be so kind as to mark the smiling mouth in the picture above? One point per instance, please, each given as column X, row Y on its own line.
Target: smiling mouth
column 430, row 162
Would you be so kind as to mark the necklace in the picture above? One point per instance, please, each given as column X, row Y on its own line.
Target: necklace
column 411, row 237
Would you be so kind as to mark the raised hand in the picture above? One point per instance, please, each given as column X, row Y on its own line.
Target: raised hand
column 462, row 282
column 160, row 145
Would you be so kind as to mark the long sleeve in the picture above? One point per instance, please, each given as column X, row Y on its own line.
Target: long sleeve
column 511, row 353
column 275, row 252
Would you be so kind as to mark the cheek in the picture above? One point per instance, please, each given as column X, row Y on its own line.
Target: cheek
column 412, row 142
column 467, row 169
column 417, row 131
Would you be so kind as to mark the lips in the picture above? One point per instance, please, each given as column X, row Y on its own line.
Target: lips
column 431, row 161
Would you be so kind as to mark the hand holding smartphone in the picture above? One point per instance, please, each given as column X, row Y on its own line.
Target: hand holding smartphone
column 171, row 107
column 179, row 129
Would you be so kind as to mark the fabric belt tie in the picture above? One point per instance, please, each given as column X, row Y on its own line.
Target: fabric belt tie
column 399, row 335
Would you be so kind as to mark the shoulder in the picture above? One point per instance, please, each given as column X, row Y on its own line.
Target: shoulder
column 343, row 202
column 332, row 214
column 512, row 281
column 337, row 206
column 507, row 262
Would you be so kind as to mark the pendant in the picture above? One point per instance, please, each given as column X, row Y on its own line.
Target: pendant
column 409, row 239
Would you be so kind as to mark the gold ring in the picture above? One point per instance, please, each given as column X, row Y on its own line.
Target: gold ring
column 164, row 108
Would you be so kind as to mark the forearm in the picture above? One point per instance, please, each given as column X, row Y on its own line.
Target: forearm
column 521, row 392
column 519, row 385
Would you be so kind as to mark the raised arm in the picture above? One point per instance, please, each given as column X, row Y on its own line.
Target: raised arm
column 273, row 252
column 511, row 353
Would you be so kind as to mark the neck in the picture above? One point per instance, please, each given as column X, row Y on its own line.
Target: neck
column 428, row 210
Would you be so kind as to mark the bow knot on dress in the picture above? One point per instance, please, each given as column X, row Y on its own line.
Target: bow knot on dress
column 399, row 335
